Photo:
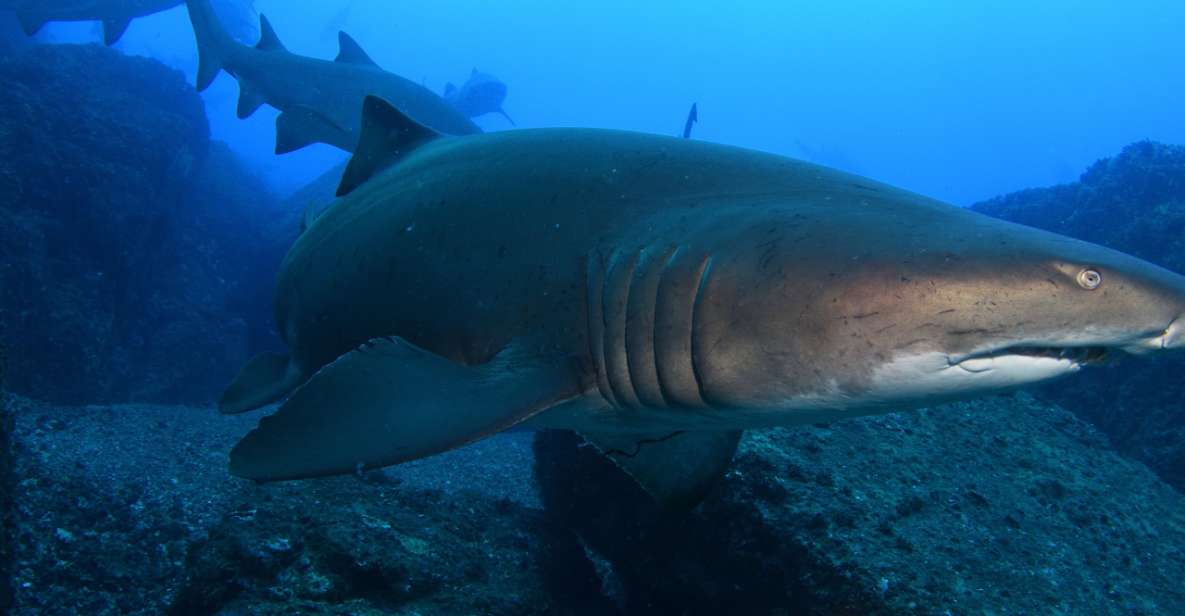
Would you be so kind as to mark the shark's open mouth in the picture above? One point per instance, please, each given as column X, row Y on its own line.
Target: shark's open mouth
column 1080, row 355
column 1020, row 355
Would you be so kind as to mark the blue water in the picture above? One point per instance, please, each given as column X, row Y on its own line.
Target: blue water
column 961, row 101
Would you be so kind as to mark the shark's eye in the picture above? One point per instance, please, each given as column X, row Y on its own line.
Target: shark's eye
column 1090, row 279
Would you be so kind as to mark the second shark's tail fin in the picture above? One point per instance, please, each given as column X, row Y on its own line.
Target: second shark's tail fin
column 213, row 41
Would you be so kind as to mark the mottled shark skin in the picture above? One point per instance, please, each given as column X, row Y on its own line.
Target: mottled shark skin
column 320, row 100
column 659, row 295
column 482, row 93
column 116, row 15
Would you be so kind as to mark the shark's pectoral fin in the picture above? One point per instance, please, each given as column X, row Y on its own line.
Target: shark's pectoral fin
column 114, row 27
column 387, row 136
column 676, row 468
column 31, row 20
column 390, row 401
column 299, row 127
column 265, row 379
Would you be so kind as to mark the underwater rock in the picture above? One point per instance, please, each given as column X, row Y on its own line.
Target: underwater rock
column 1134, row 202
column 7, row 483
column 128, row 235
column 1004, row 505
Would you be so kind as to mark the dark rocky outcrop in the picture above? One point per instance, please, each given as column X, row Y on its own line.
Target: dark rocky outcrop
column 131, row 266
column 7, row 487
column 1134, row 202
column 1001, row 506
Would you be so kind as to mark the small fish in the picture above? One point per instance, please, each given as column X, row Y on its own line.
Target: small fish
column 692, row 118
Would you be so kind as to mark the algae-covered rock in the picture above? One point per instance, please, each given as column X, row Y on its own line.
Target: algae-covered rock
column 130, row 266
column 7, row 481
column 1134, row 202
column 1000, row 506
column 991, row 507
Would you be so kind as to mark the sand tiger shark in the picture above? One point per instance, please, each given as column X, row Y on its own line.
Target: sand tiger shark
column 482, row 93
column 115, row 15
column 657, row 294
column 320, row 101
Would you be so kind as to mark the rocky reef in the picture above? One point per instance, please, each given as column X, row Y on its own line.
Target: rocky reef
column 1005, row 505
column 1134, row 202
column 130, row 270
column 7, row 484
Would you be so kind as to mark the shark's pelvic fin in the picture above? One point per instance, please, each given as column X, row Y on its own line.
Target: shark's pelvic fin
column 676, row 468
column 387, row 136
column 31, row 20
column 250, row 99
column 449, row 89
column 350, row 52
column 265, row 379
column 114, row 27
column 213, row 41
column 299, row 127
column 268, row 41
column 390, row 401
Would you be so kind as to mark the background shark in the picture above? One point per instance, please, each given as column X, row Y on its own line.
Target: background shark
column 115, row 15
column 320, row 100
column 482, row 93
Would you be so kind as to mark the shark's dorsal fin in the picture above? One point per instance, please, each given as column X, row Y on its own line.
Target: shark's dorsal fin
column 268, row 41
column 114, row 27
column 350, row 52
column 387, row 136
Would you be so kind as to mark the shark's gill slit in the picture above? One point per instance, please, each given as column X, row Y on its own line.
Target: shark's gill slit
column 696, row 370
column 618, row 277
column 662, row 269
column 595, row 280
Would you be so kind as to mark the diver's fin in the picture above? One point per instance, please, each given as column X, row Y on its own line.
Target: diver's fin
column 350, row 52
column 387, row 136
column 507, row 116
column 676, row 468
column 265, row 379
column 449, row 89
column 250, row 99
column 32, row 21
column 114, row 27
column 389, row 401
column 300, row 126
column 268, row 41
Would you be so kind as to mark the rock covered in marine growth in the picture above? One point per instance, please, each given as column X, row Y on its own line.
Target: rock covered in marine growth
column 1133, row 202
column 129, row 266
column 999, row 506
column 996, row 506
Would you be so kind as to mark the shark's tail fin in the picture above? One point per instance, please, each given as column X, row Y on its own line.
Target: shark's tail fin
column 213, row 41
